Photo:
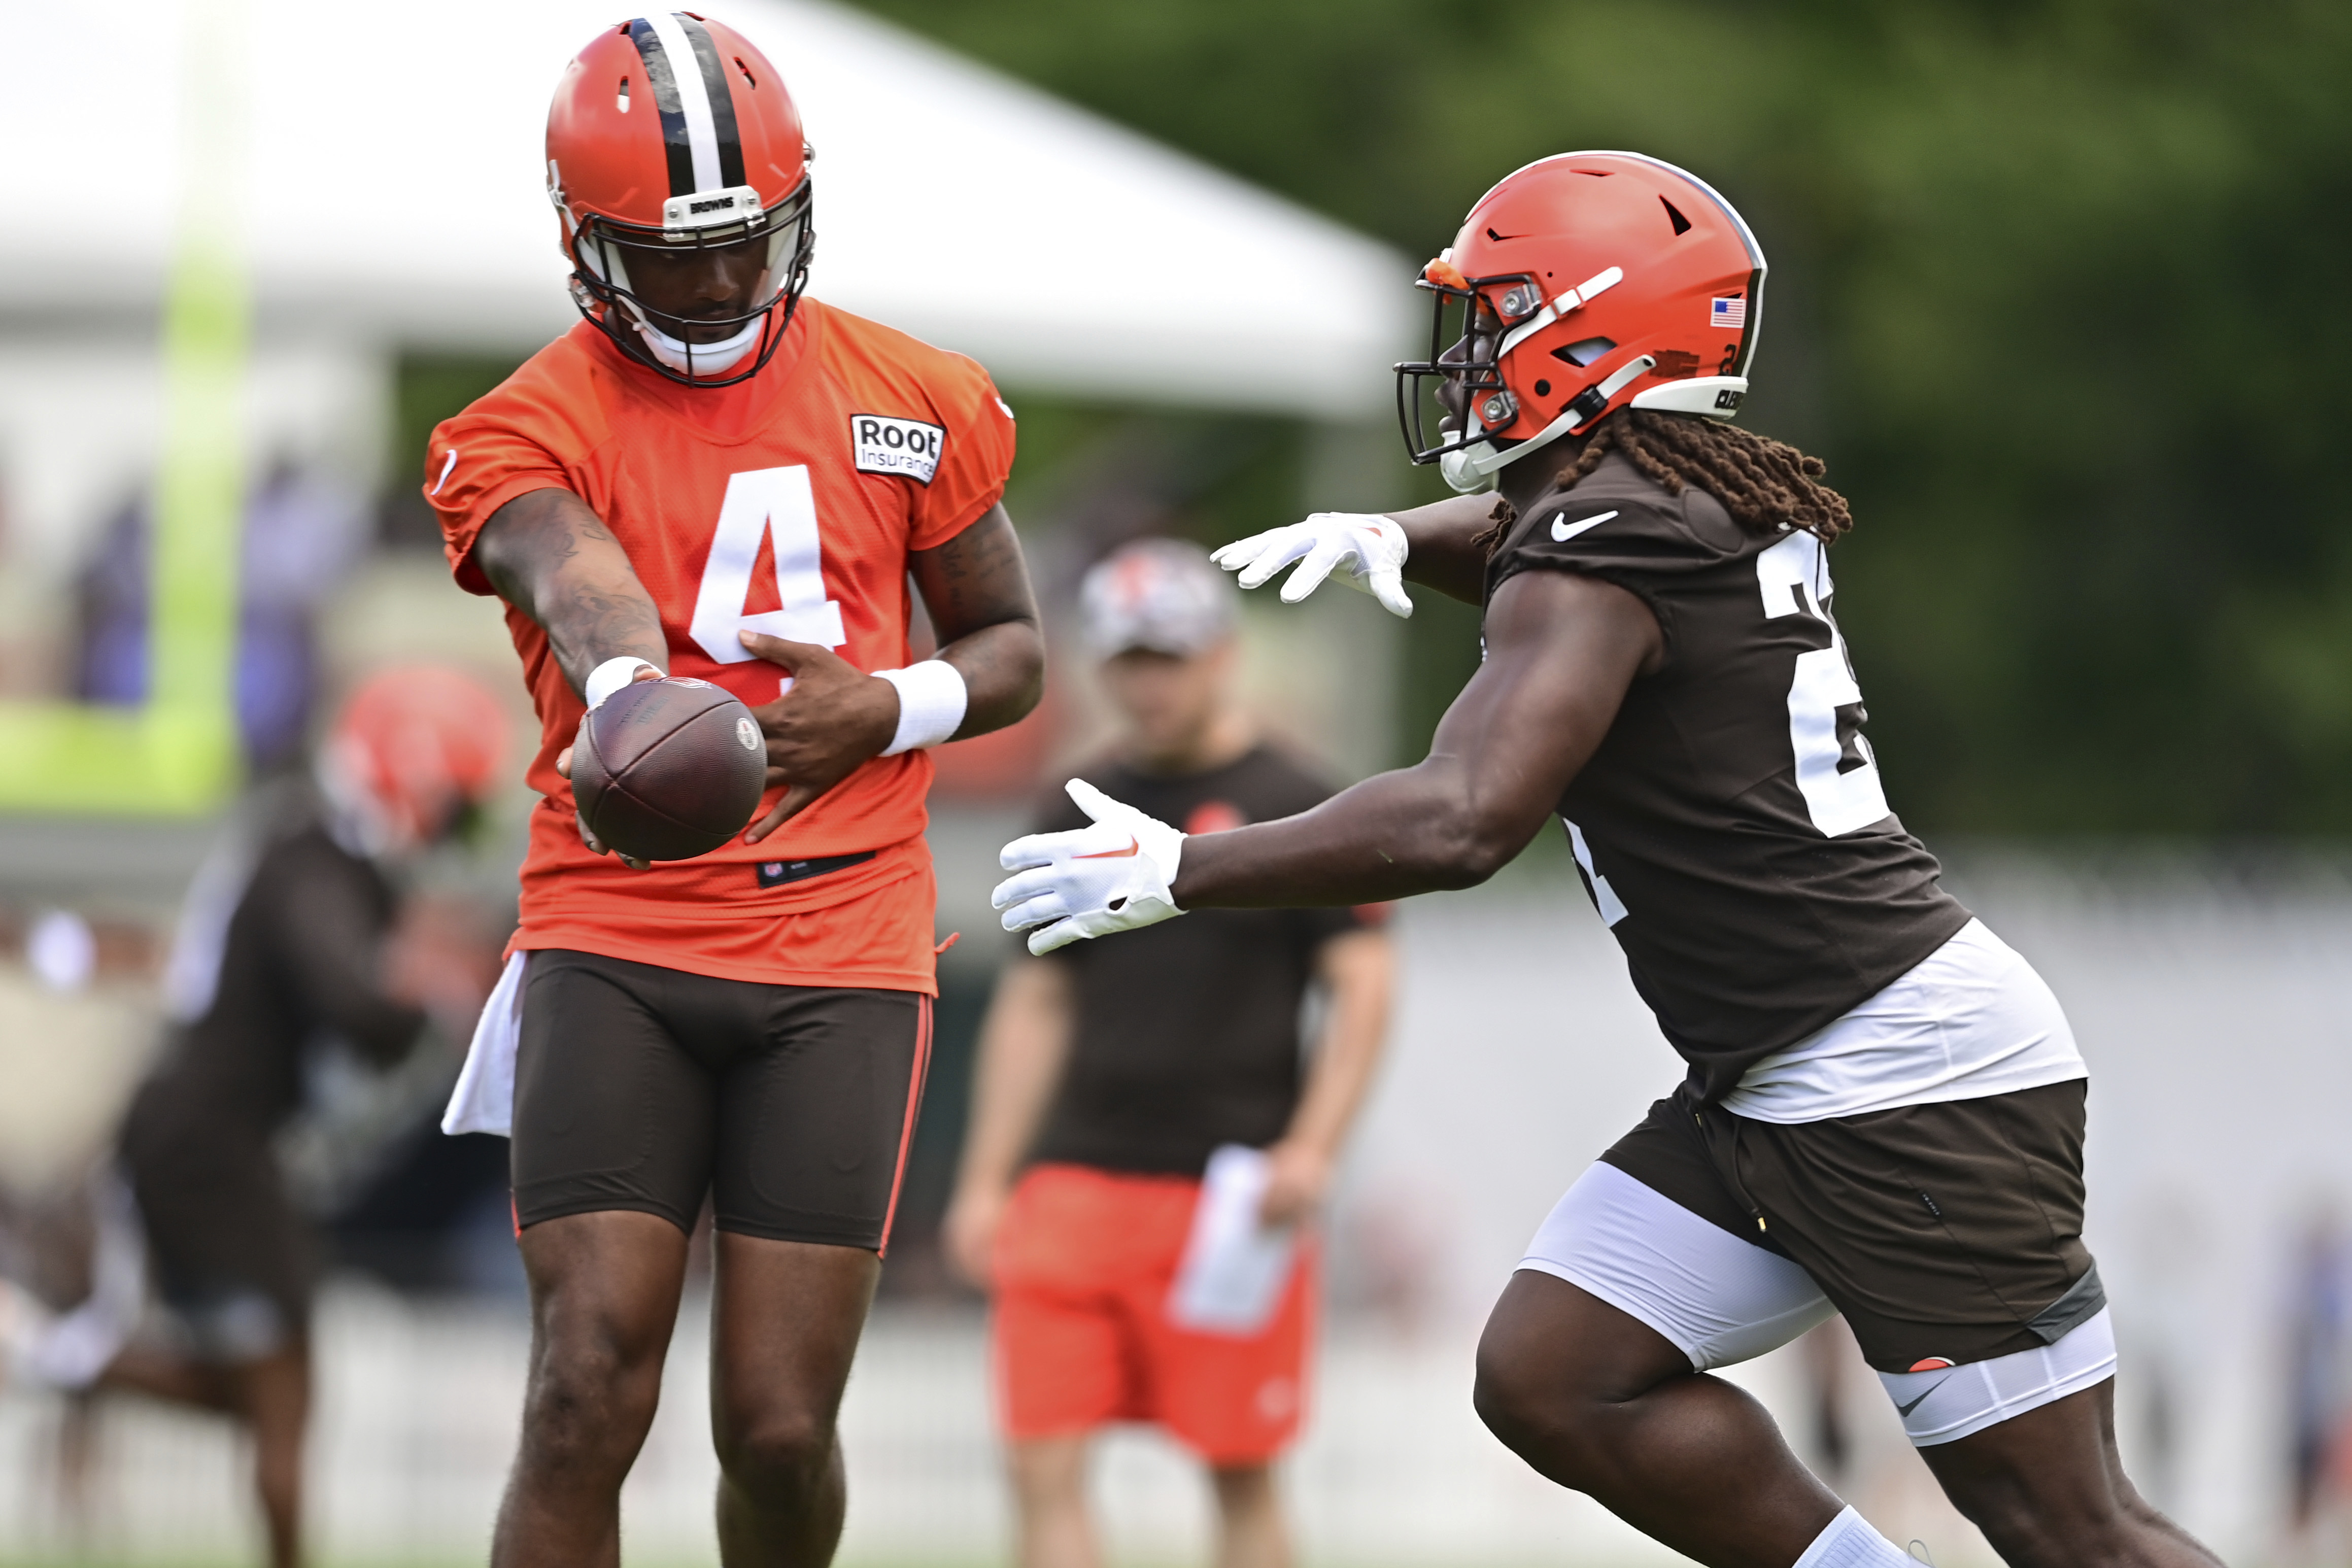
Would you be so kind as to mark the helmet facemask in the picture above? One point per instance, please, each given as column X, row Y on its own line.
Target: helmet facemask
column 695, row 350
column 1456, row 387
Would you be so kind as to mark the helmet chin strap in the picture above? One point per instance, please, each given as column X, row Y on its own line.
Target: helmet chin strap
column 1472, row 466
column 698, row 359
column 1460, row 470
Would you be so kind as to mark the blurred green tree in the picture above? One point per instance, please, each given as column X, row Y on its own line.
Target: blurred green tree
column 2056, row 289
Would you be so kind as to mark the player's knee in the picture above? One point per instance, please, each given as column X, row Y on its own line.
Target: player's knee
column 589, row 1398
column 1525, row 1415
column 777, row 1455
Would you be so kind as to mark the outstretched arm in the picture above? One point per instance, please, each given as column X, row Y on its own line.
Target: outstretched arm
column 1442, row 544
column 554, row 560
column 551, row 558
column 1560, row 651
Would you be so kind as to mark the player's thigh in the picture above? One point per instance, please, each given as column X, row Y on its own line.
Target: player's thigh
column 611, row 1112
column 2057, row 1460
column 1649, row 1231
column 814, row 1122
column 786, row 1320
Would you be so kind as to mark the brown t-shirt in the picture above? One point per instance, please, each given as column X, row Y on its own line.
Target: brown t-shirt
column 1187, row 1032
column 1731, row 828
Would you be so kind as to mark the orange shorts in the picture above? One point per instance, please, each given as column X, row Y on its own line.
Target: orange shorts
column 1084, row 1263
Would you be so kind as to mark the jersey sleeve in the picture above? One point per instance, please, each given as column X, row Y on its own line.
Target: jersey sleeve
column 1645, row 542
column 975, row 457
column 506, row 445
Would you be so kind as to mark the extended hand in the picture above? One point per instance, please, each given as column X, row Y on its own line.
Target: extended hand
column 1090, row 882
column 1369, row 549
column 831, row 718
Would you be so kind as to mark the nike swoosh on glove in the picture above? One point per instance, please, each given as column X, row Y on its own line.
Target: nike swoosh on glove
column 1369, row 549
column 1090, row 882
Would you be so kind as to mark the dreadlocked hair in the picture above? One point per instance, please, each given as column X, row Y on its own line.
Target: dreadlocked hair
column 1767, row 485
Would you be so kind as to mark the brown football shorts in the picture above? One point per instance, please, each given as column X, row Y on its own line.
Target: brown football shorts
column 643, row 1088
column 1950, row 1232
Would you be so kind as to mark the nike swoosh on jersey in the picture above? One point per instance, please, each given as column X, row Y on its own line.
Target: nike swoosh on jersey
column 1904, row 1410
column 1562, row 531
column 1133, row 847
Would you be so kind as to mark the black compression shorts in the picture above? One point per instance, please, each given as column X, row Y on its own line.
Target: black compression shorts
column 642, row 1087
column 1951, row 1230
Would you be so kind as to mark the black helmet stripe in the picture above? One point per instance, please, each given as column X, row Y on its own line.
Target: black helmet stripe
column 676, row 141
column 688, row 79
column 722, row 102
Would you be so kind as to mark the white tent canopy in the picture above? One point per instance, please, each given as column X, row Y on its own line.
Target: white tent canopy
column 392, row 193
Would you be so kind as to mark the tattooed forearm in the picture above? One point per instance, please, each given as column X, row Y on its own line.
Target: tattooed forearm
column 551, row 558
column 978, row 578
column 976, row 586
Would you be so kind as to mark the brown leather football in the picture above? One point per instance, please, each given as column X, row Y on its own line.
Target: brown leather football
column 668, row 769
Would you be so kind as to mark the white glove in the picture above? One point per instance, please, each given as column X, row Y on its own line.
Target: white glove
column 1369, row 547
column 1090, row 882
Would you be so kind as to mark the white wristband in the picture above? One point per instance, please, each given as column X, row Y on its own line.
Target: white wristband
column 611, row 675
column 931, row 701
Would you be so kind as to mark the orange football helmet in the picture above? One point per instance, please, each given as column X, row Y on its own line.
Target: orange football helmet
column 414, row 748
column 1582, row 283
column 671, row 133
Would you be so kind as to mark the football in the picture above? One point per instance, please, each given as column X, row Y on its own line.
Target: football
column 668, row 769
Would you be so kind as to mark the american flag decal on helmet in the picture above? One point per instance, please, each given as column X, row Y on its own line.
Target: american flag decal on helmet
column 698, row 114
column 1730, row 315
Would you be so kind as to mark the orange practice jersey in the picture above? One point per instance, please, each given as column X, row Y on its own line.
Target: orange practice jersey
column 786, row 504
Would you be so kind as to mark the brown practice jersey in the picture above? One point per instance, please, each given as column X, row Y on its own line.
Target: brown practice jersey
column 1187, row 1032
column 1732, row 829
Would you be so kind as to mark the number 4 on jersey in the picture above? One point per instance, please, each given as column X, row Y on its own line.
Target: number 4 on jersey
column 780, row 504
column 1835, row 769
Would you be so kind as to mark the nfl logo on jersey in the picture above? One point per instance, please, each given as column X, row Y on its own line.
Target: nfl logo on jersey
column 908, row 448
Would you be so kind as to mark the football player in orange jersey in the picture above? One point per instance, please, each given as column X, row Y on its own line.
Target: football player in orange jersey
column 712, row 476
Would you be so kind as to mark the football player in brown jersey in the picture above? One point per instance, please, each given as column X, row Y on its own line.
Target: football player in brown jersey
column 1883, row 1114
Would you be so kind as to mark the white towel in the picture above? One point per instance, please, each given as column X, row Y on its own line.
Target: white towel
column 483, row 1101
column 1235, row 1269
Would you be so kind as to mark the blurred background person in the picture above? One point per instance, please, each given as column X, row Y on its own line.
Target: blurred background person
column 303, row 533
column 295, row 939
column 1110, row 1074
column 2319, row 1392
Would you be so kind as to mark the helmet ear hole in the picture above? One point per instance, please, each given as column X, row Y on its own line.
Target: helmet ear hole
column 1584, row 353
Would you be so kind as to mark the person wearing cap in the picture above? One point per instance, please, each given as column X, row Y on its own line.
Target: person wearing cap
column 1110, row 1074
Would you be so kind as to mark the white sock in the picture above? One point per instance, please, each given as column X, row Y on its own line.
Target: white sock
column 1849, row 1542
